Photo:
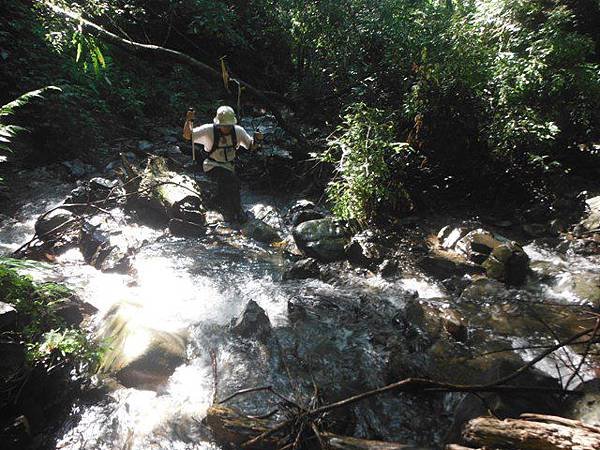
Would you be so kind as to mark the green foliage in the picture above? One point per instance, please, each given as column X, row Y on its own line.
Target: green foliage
column 8, row 132
column 361, row 149
column 48, row 339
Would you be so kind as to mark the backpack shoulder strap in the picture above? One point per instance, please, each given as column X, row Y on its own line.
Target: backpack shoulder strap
column 216, row 137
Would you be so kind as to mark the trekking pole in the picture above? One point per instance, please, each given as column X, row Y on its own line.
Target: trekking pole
column 191, row 115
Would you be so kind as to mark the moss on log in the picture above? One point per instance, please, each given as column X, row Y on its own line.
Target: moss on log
column 167, row 193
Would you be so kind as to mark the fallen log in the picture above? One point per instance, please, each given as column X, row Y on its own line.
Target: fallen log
column 169, row 194
column 530, row 432
column 231, row 428
column 335, row 441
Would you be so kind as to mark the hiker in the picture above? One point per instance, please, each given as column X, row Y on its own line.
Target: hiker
column 221, row 139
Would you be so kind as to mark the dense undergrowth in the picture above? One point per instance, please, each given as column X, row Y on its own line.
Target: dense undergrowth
column 45, row 355
column 498, row 99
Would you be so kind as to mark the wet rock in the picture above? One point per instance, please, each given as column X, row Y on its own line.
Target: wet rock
column 73, row 310
column 17, row 435
column 388, row 268
column 269, row 215
column 94, row 190
column 592, row 219
column 305, row 268
column 448, row 236
column 477, row 245
column 535, row 229
column 586, row 288
column 585, row 246
column 214, row 217
column 179, row 227
column 454, row 325
column 324, row 239
column 145, row 146
column 305, row 216
column 260, row 231
column 442, row 267
column 503, row 405
column 8, row 316
column 586, row 407
column 105, row 248
column 252, row 323
column 53, row 223
column 303, row 211
column 502, row 259
column 139, row 356
column 509, row 263
column 363, row 251
column 78, row 168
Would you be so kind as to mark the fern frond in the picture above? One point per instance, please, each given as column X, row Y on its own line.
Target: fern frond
column 9, row 108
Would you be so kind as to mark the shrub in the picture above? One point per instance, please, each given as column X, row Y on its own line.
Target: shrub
column 360, row 150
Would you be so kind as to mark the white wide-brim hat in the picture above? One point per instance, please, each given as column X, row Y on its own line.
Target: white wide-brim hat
column 225, row 116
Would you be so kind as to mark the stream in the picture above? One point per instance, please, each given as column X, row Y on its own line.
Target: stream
column 345, row 334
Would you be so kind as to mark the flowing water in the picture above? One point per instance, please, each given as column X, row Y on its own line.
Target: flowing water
column 200, row 285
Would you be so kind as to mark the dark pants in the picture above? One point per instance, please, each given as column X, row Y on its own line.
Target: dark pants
column 228, row 192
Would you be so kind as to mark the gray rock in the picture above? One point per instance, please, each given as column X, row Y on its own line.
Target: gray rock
column 145, row 146
column 305, row 268
column 508, row 262
column 363, row 251
column 8, row 316
column 324, row 239
column 305, row 216
column 585, row 408
column 252, row 323
column 53, row 223
column 78, row 168
column 105, row 248
column 260, row 231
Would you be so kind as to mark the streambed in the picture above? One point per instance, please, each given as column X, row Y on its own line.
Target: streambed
column 346, row 333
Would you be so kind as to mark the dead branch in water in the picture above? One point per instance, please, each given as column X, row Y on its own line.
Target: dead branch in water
column 302, row 422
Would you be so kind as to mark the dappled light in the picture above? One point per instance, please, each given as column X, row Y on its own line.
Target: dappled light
column 299, row 225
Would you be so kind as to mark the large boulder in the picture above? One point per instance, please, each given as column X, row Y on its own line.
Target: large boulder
column 323, row 239
column 138, row 355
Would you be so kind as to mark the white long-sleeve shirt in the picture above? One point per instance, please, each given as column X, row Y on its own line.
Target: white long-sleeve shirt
column 204, row 135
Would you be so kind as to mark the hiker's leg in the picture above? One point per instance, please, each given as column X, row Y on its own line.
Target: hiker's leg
column 231, row 196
